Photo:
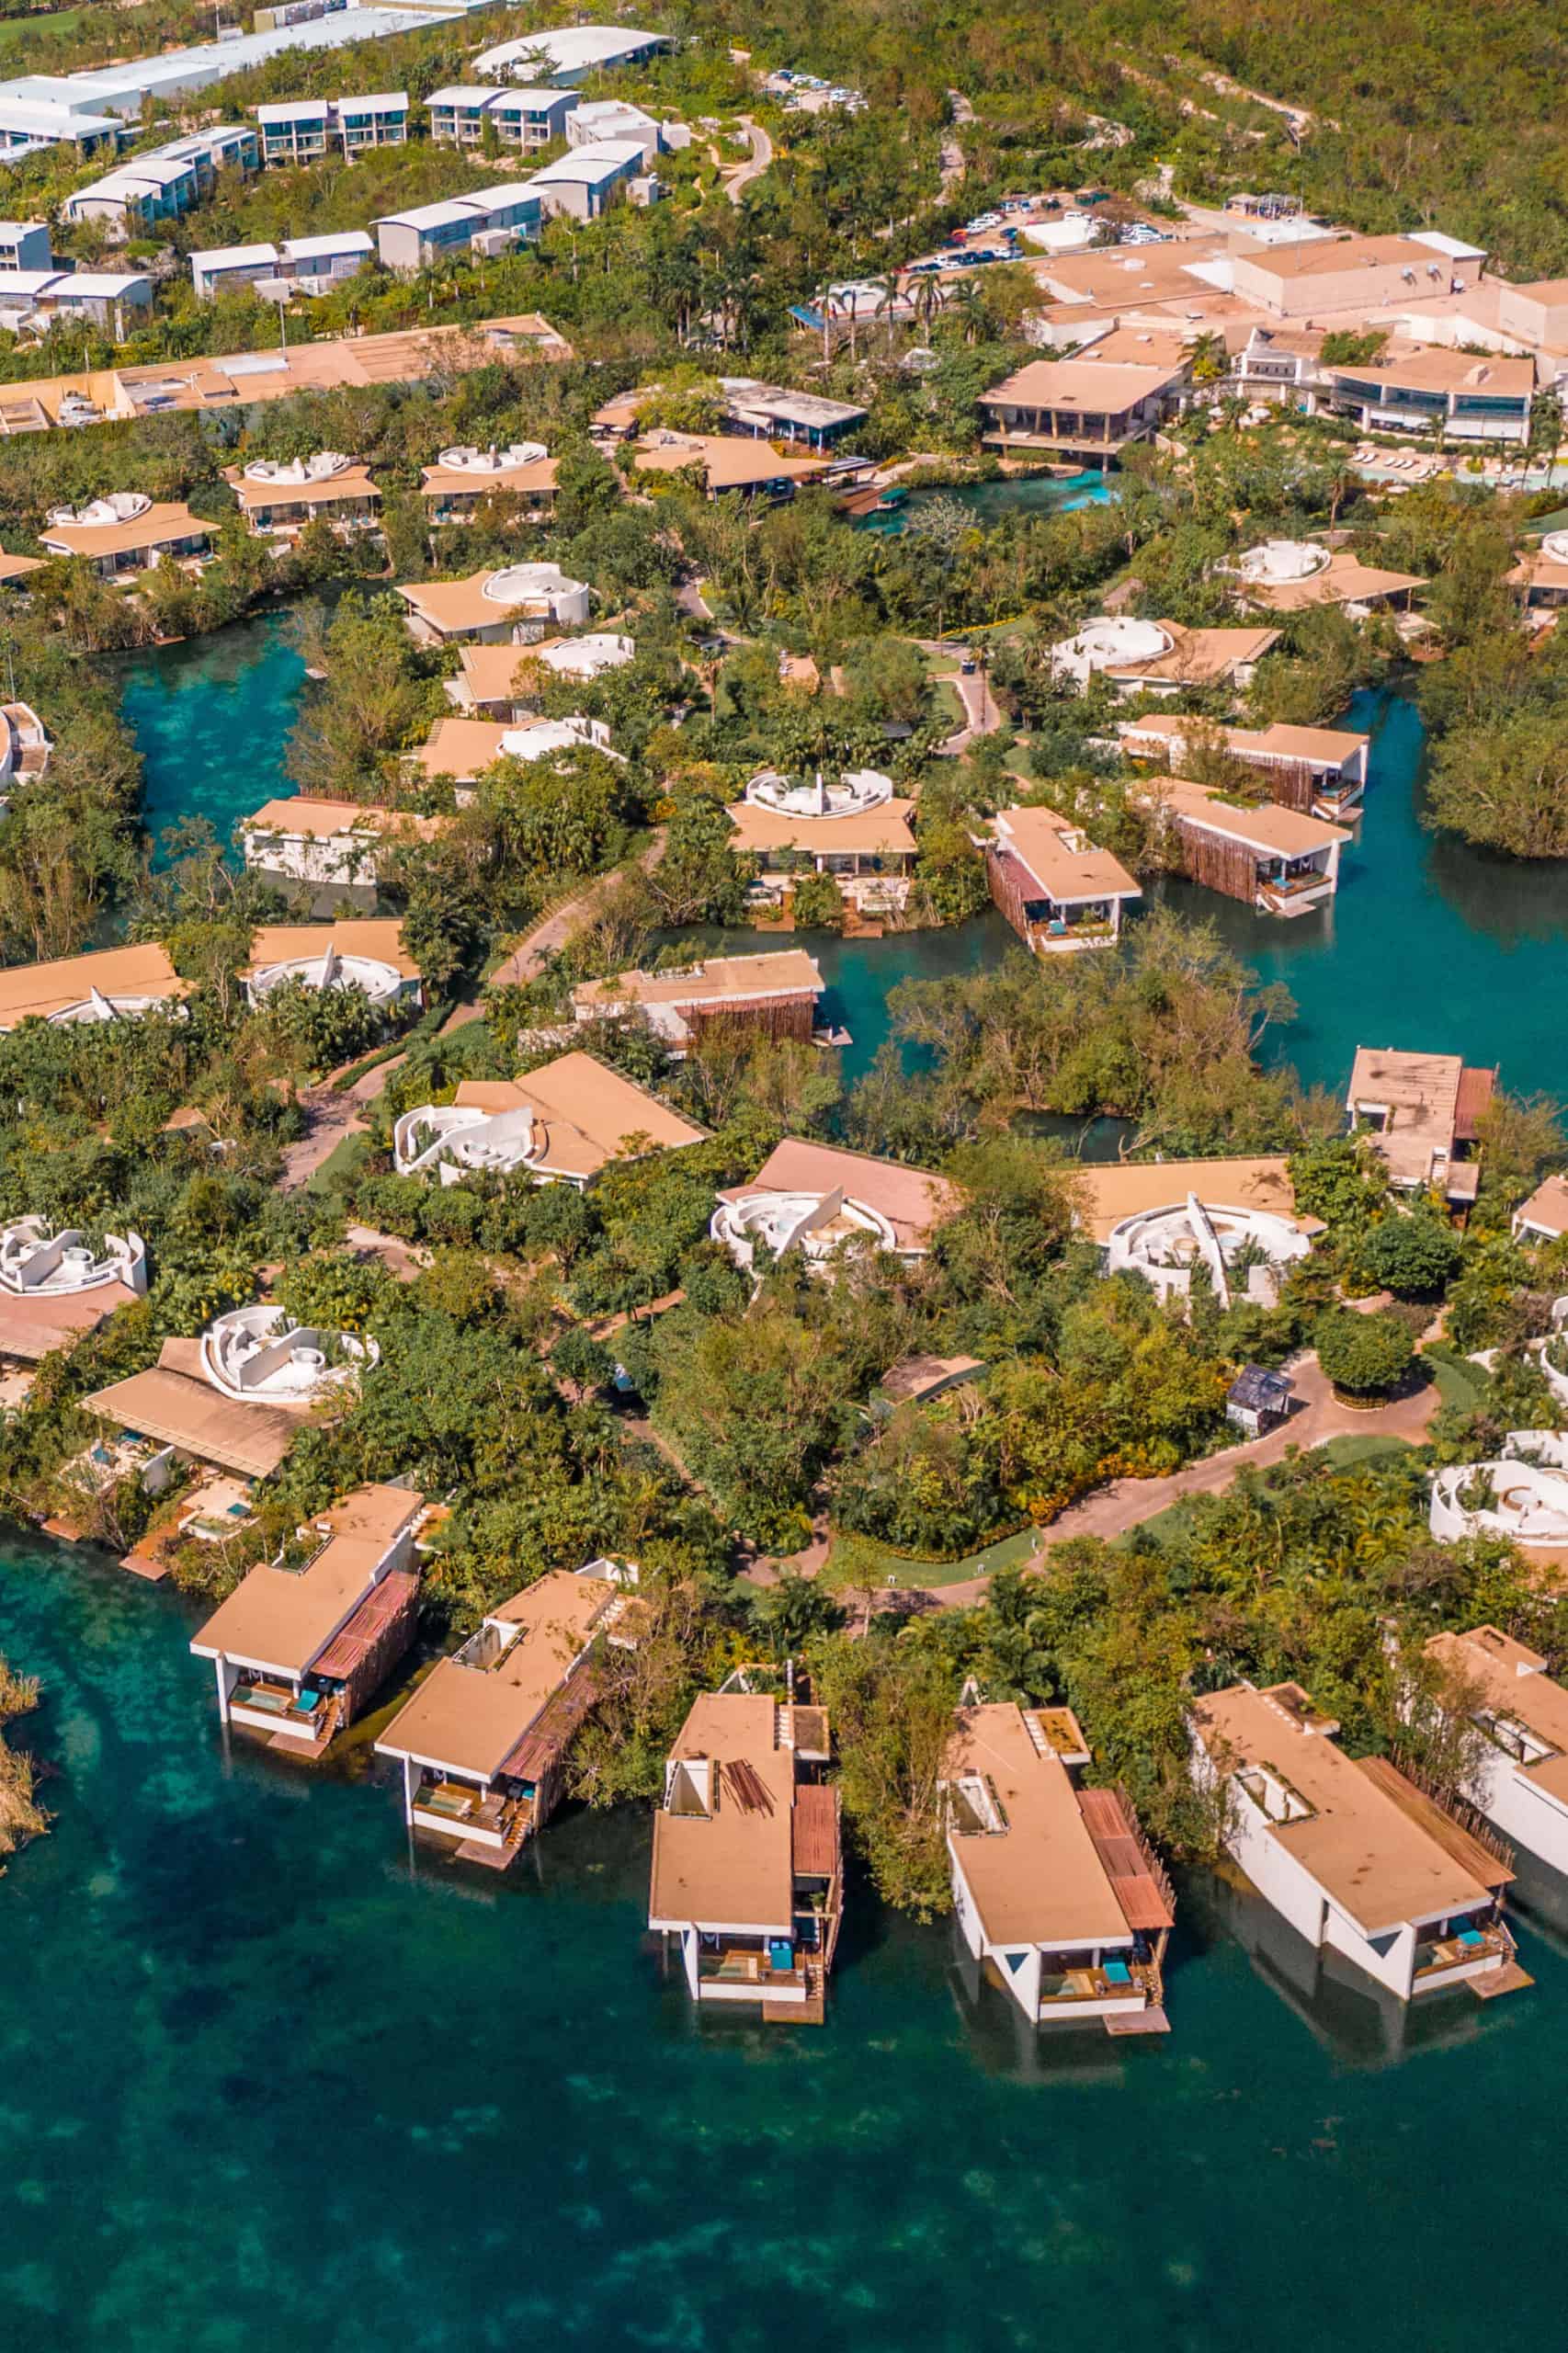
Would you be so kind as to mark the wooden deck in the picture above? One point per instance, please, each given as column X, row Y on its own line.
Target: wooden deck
column 1509, row 1979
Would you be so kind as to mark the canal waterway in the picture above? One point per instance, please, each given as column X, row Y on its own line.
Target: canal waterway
column 266, row 2082
column 211, row 717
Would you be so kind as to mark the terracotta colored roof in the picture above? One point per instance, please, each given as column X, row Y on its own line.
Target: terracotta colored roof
column 471, row 1719
column 1040, row 1880
column 464, row 749
column 914, row 1201
column 1344, row 580
column 354, row 482
column 1124, row 1188
column 1199, row 656
column 1041, row 841
column 882, row 829
column 1546, row 1206
column 172, row 1403
column 33, row 1323
column 17, row 567
column 324, row 820
column 1421, row 1093
column 1274, row 831
column 441, row 482
column 285, row 1618
column 590, row 1112
column 159, row 527
column 1359, row 1841
column 726, row 462
column 1512, row 1683
column 731, row 1868
column 378, row 937
column 1098, row 386
column 43, row 989
column 719, row 980
column 1476, row 1092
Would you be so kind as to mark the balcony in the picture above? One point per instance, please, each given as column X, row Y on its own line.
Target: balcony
column 1088, row 1988
column 273, row 1707
column 457, row 1810
column 1441, row 1960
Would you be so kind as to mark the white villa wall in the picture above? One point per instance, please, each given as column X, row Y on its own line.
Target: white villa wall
column 1522, row 1812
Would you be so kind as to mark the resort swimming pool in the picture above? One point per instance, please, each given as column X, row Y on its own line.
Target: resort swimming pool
column 987, row 502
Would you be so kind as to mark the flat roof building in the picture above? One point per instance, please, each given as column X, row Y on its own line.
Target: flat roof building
column 485, row 1739
column 1281, row 861
column 1348, row 1851
column 1421, row 1113
column 1544, row 1217
column 281, row 495
column 107, row 984
column 1053, row 1885
column 777, row 993
column 127, row 532
column 747, row 1872
column 56, row 1285
column 304, row 1641
column 1058, row 892
column 464, row 114
column 367, row 954
column 301, row 130
column 1519, row 1775
column 496, row 607
column 816, row 1198
column 572, row 54
column 330, row 842
column 1090, row 408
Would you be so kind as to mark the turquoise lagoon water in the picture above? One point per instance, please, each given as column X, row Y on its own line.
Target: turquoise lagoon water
column 211, row 718
column 987, row 502
column 265, row 2083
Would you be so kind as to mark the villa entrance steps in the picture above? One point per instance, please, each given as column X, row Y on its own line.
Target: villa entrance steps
column 1150, row 2021
column 1509, row 1979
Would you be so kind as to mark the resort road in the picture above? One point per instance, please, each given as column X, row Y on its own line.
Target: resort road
column 533, row 951
column 1127, row 1503
column 756, row 164
column 329, row 1118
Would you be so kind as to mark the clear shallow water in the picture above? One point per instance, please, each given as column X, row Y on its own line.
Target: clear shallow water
column 987, row 502
column 211, row 718
column 262, row 2085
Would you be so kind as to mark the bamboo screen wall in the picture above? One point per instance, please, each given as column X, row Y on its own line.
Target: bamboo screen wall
column 1010, row 887
column 1291, row 786
column 1227, row 867
column 777, row 1016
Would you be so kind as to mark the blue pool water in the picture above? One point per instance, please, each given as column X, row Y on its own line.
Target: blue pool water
column 987, row 502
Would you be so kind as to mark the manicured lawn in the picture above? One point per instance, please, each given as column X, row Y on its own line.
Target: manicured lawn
column 1007, row 1553
column 340, row 1160
column 17, row 28
column 1458, row 1381
column 1350, row 1449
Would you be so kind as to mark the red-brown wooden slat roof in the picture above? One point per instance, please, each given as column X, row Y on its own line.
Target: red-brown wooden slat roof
column 549, row 1736
column 813, row 1832
column 1474, row 1095
column 349, row 1645
column 1143, row 1900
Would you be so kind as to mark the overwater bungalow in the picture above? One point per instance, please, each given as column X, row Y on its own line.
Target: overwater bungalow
column 1520, row 1780
column 305, row 1640
column 367, row 954
column 747, row 1873
column 1349, row 1851
column 1323, row 769
column 818, row 1199
column 483, row 1740
column 559, row 1124
column 1055, row 1886
column 1060, row 894
column 1423, row 1115
column 777, row 993
column 342, row 843
column 1281, row 861
column 107, row 984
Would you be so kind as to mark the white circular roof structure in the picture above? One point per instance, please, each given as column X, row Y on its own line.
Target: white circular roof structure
column 527, row 583
column 465, row 458
column 380, row 982
column 542, row 736
column 815, row 1223
column 585, row 657
column 38, row 1263
column 848, row 795
column 1107, row 642
column 454, row 1137
column 1522, row 1501
column 1554, row 547
column 1166, row 1244
column 119, row 506
column 1276, row 563
column 296, row 473
column 256, row 1353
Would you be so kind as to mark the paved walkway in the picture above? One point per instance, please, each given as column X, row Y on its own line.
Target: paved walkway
column 1112, row 1511
column 329, row 1117
column 756, row 163
column 549, row 936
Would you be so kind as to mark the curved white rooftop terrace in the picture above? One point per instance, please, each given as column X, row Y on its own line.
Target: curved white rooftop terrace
column 1277, row 564
column 294, row 473
column 1111, row 642
column 36, row 1263
column 817, row 1224
column 464, row 457
column 255, row 1354
column 1528, row 1503
column 381, row 983
column 543, row 584
column 849, row 795
column 118, row 507
column 1165, row 1245
column 456, row 1137
column 585, row 657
